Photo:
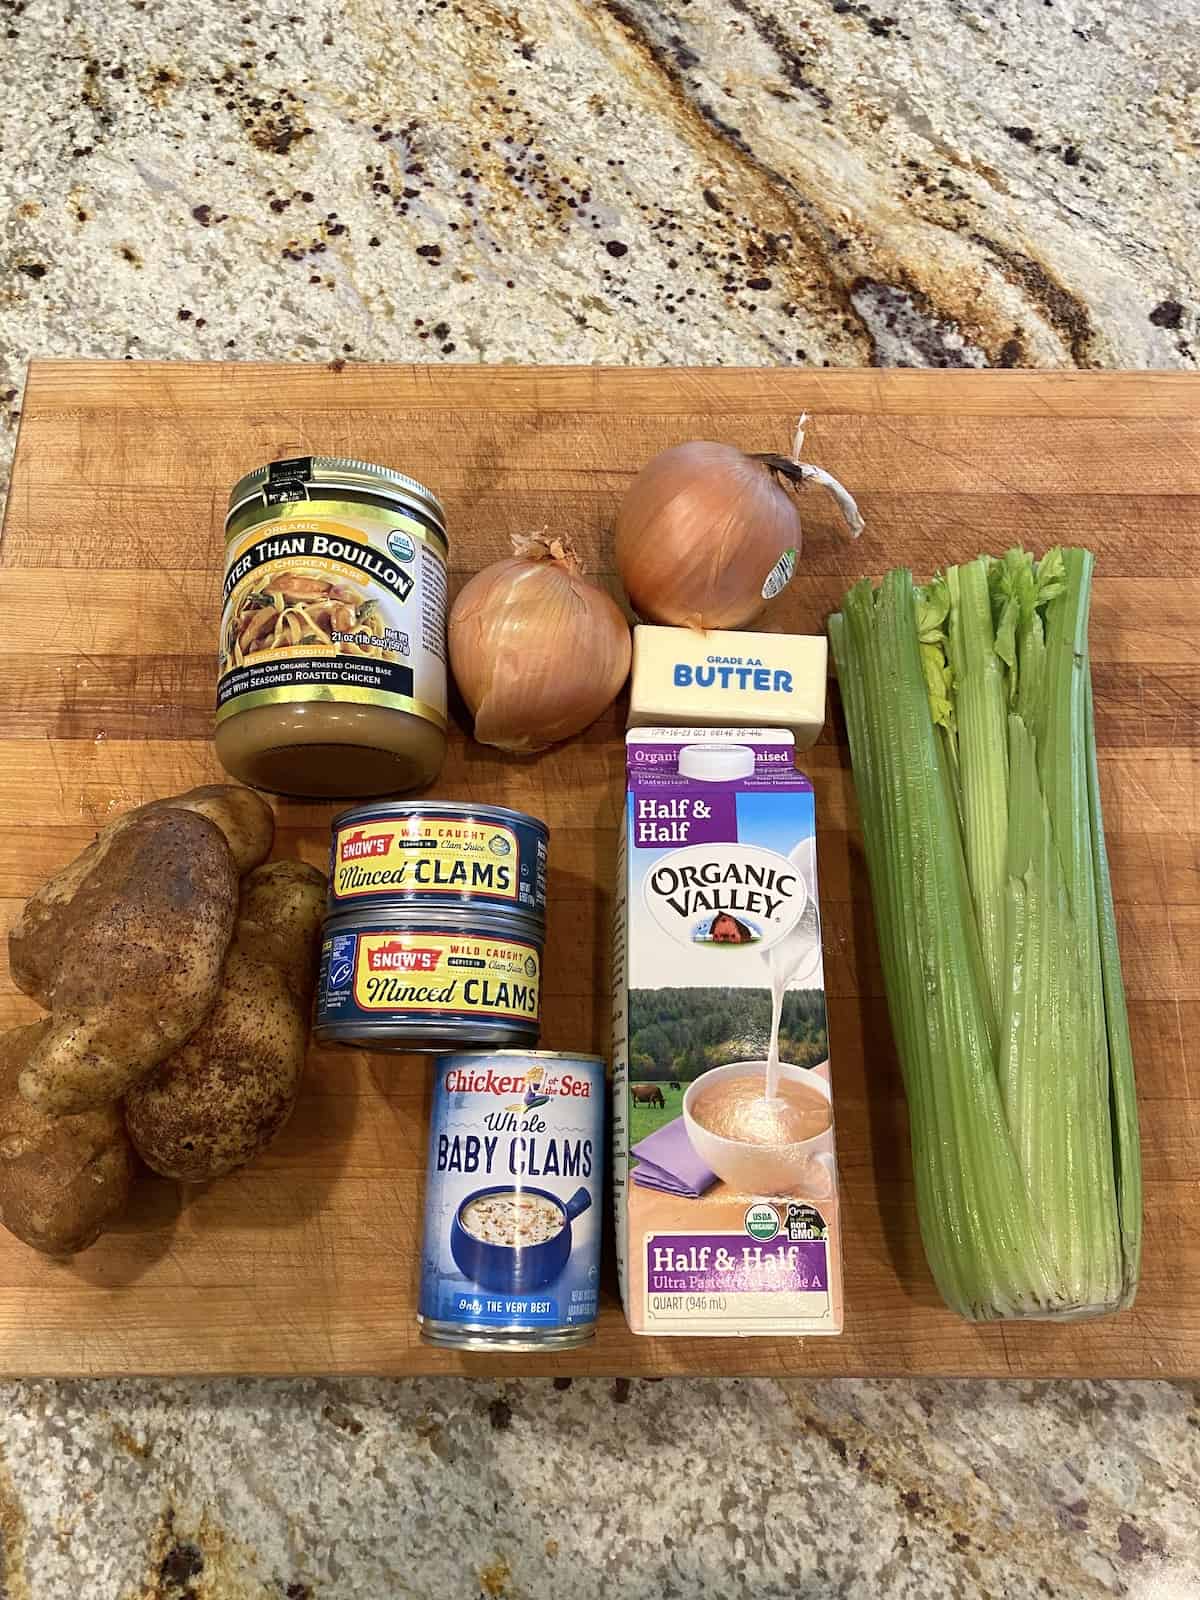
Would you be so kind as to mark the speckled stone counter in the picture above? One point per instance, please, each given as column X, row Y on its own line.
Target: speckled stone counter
column 846, row 181
column 598, row 1490
column 947, row 182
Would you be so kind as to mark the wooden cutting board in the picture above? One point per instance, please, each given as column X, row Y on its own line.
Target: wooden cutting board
column 307, row 1261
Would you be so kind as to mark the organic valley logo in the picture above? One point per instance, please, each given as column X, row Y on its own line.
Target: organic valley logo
column 725, row 894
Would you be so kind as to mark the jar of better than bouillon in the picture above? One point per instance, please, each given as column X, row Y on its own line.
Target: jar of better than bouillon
column 332, row 674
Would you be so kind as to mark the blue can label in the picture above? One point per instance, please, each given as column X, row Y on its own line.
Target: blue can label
column 512, row 1192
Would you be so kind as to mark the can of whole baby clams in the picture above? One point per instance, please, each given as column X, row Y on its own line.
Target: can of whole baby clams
column 510, row 1257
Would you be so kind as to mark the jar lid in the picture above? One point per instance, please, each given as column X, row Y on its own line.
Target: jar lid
column 297, row 477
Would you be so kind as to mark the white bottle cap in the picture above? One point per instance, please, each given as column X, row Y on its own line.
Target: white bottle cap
column 716, row 763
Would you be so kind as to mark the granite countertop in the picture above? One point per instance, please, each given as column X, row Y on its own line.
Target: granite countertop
column 700, row 1490
column 1001, row 182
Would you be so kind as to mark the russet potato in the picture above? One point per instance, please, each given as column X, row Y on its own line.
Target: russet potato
column 224, row 1094
column 124, row 946
column 129, row 961
column 63, row 1180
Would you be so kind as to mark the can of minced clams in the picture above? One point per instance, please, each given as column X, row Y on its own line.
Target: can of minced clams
column 435, row 928
column 439, row 853
column 390, row 979
column 511, row 1252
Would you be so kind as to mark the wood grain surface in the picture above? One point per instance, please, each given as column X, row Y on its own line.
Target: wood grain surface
column 307, row 1261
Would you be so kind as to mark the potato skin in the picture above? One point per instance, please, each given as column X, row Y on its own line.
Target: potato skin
column 129, row 960
column 225, row 1094
column 63, row 1180
column 242, row 815
column 37, row 941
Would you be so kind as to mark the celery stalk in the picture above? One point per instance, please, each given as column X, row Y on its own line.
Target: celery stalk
column 981, row 715
column 1057, row 1119
column 968, row 706
column 1127, row 1150
column 1064, row 761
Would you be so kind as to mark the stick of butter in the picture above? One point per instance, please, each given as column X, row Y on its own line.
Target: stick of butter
column 719, row 679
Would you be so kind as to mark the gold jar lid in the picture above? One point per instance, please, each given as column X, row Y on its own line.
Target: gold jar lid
column 297, row 477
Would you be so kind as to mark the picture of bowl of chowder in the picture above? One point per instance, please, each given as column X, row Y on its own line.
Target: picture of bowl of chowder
column 512, row 1217
column 514, row 1240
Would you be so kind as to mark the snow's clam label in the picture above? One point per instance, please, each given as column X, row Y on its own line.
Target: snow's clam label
column 390, row 979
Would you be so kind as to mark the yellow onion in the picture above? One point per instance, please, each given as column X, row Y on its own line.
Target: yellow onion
column 538, row 649
column 707, row 534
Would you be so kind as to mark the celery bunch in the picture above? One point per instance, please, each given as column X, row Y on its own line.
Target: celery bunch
column 968, row 703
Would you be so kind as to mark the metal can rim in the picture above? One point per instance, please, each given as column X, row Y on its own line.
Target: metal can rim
column 474, row 1336
column 542, row 1055
column 386, row 1045
column 346, row 472
column 432, row 1021
column 404, row 808
column 416, row 918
